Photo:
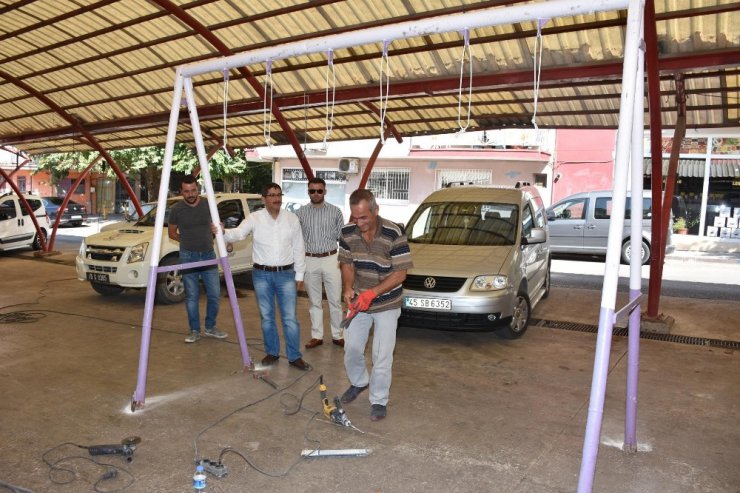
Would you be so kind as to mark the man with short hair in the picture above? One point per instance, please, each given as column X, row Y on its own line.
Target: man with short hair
column 279, row 265
column 374, row 257
column 322, row 223
column 189, row 224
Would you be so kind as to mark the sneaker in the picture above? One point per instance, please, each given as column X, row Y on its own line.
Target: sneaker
column 377, row 412
column 194, row 336
column 351, row 393
column 214, row 332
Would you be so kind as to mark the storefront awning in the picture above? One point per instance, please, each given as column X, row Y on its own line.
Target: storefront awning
column 694, row 168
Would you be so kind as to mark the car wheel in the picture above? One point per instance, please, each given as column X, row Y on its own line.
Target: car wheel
column 170, row 288
column 519, row 320
column 106, row 289
column 627, row 253
column 36, row 245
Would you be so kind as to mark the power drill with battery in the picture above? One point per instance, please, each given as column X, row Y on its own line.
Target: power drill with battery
column 335, row 412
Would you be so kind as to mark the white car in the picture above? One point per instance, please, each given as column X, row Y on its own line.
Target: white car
column 114, row 260
column 16, row 226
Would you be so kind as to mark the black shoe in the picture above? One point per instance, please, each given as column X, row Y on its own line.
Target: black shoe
column 270, row 360
column 300, row 364
column 351, row 393
column 377, row 412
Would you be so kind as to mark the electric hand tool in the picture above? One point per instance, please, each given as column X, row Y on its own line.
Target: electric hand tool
column 334, row 412
column 125, row 448
column 352, row 311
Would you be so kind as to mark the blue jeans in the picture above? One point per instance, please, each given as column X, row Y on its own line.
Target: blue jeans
column 211, row 282
column 281, row 285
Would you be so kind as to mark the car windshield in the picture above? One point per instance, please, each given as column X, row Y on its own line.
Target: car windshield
column 151, row 216
column 464, row 223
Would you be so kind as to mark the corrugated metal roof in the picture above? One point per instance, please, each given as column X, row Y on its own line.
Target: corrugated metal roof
column 110, row 64
column 694, row 168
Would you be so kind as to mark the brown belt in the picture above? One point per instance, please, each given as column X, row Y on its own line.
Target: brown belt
column 319, row 255
column 273, row 268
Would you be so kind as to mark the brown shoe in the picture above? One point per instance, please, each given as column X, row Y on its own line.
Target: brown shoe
column 270, row 360
column 301, row 365
column 338, row 342
column 313, row 343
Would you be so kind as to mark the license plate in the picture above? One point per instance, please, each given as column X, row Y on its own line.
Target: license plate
column 431, row 303
column 95, row 277
column 76, row 217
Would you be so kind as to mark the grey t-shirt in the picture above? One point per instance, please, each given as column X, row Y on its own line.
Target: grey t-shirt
column 194, row 225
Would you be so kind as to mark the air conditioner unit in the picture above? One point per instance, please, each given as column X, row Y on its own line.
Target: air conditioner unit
column 349, row 165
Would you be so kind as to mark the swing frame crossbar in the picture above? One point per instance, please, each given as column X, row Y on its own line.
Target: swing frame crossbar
column 628, row 150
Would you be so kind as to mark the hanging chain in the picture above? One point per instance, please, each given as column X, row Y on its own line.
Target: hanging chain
column 466, row 50
column 384, row 61
column 267, row 120
column 329, row 113
column 226, row 106
column 537, row 67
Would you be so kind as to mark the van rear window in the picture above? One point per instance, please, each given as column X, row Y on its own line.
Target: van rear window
column 464, row 223
column 603, row 209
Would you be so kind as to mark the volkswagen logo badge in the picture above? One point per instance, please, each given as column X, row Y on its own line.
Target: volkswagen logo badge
column 430, row 282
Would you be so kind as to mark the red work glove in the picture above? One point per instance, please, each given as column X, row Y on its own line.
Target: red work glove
column 363, row 301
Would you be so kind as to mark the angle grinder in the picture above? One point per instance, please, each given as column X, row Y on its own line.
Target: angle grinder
column 125, row 448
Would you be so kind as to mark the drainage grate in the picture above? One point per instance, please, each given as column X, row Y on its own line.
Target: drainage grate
column 623, row 331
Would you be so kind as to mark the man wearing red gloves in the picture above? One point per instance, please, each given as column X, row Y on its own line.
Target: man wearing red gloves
column 374, row 256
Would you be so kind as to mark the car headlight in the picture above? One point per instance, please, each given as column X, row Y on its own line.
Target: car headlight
column 489, row 283
column 138, row 252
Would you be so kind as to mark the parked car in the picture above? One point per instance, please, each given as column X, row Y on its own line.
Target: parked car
column 74, row 214
column 481, row 260
column 16, row 226
column 579, row 224
column 116, row 259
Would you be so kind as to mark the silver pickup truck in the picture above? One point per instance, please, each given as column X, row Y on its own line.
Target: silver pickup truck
column 119, row 258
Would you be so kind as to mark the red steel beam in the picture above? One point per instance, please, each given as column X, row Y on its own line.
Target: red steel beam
column 77, row 182
column 76, row 125
column 657, row 249
column 388, row 123
column 373, row 157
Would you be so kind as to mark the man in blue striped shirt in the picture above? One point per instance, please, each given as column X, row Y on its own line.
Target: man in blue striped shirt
column 373, row 256
column 321, row 223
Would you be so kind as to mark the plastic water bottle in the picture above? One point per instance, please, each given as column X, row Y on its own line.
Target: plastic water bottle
column 199, row 479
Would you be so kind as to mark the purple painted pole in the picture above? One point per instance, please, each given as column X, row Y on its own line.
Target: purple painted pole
column 137, row 401
column 235, row 311
column 614, row 248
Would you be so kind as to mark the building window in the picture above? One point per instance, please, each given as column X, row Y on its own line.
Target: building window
column 540, row 180
column 390, row 183
column 446, row 177
column 22, row 184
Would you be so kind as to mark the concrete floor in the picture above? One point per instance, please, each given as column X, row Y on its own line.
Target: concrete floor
column 468, row 411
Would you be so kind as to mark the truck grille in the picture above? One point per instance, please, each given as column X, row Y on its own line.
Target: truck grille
column 103, row 268
column 106, row 254
column 440, row 284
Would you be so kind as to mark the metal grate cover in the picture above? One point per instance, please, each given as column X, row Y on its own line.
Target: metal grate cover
column 623, row 331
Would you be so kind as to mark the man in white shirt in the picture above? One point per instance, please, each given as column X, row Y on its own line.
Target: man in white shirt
column 322, row 224
column 278, row 254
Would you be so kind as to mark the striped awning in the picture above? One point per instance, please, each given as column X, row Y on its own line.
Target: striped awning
column 694, row 168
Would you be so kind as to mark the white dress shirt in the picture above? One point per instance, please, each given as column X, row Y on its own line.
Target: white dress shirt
column 275, row 242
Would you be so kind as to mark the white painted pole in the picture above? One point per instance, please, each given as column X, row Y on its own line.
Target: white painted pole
column 137, row 400
column 614, row 249
column 411, row 29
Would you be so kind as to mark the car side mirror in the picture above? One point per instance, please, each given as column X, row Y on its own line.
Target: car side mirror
column 550, row 216
column 538, row 235
column 232, row 222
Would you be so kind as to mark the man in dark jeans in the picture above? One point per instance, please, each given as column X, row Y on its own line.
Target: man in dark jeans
column 190, row 224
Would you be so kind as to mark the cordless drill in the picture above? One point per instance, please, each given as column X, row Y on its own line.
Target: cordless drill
column 335, row 412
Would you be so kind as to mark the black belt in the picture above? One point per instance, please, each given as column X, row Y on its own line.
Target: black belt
column 273, row 268
column 319, row 255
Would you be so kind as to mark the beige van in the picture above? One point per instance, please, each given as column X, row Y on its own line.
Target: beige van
column 481, row 260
